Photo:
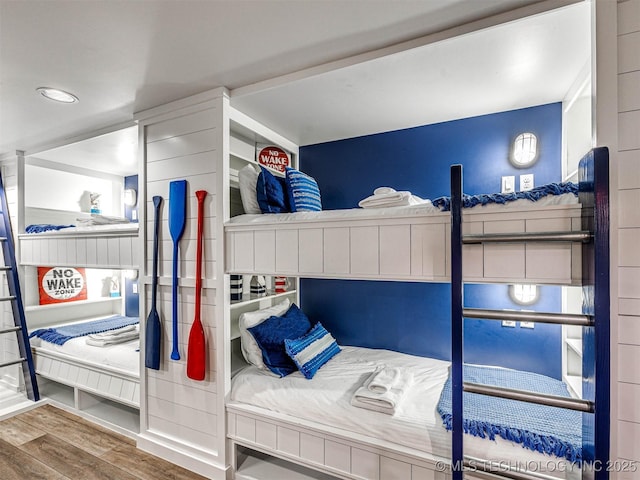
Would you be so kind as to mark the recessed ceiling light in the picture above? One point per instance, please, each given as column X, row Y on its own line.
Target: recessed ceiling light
column 57, row 95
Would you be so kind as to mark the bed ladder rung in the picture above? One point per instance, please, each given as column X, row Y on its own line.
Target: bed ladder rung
column 578, row 236
column 538, row 317
column 492, row 470
column 530, row 397
column 5, row 269
column 13, row 362
column 9, row 330
column 7, row 299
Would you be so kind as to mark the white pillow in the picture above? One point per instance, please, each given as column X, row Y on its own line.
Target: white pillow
column 248, row 178
column 250, row 349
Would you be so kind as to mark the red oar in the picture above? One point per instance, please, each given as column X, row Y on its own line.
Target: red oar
column 197, row 348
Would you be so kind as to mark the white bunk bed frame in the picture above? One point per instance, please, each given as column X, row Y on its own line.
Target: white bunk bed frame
column 71, row 381
column 400, row 248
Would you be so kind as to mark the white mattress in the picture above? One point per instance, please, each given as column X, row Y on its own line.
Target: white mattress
column 123, row 356
column 423, row 209
column 326, row 399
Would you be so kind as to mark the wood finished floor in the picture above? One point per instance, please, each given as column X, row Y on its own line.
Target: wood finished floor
column 52, row 444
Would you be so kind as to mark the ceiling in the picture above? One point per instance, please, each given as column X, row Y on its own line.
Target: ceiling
column 120, row 57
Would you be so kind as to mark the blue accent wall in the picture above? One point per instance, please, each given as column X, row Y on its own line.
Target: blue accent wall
column 415, row 317
column 131, row 300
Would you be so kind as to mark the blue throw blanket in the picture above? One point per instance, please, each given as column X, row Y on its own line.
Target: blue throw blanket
column 550, row 430
column 44, row 227
column 468, row 201
column 61, row 335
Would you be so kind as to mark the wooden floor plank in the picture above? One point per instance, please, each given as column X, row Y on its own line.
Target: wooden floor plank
column 17, row 432
column 16, row 464
column 146, row 466
column 73, row 462
column 76, row 433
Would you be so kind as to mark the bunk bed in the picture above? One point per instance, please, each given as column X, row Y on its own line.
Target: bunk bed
column 397, row 247
column 81, row 243
column 407, row 243
column 106, row 369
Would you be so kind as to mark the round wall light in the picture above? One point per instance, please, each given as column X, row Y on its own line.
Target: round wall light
column 525, row 150
column 57, row 95
column 130, row 197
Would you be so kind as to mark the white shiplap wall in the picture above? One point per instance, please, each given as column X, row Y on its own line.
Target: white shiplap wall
column 180, row 419
column 628, row 237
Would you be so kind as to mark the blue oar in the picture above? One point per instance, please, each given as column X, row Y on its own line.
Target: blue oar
column 153, row 329
column 177, row 215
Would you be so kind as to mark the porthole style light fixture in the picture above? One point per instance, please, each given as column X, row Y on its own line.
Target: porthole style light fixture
column 524, row 294
column 130, row 197
column 57, row 95
column 525, row 150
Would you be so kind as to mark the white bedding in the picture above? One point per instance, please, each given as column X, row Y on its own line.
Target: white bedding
column 123, row 356
column 326, row 400
column 424, row 209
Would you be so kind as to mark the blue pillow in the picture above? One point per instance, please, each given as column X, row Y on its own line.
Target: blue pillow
column 271, row 334
column 303, row 192
column 271, row 192
column 313, row 350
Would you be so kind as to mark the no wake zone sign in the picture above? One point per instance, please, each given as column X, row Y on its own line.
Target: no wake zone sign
column 61, row 284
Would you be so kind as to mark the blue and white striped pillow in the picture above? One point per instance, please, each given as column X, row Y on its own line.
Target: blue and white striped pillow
column 312, row 350
column 303, row 191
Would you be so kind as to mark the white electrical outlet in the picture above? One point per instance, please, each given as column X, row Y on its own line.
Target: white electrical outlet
column 135, row 287
column 526, row 182
column 509, row 323
column 527, row 324
column 134, row 214
column 508, row 184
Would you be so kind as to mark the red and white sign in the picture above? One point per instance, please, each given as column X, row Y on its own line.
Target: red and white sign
column 273, row 157
column 61, row 284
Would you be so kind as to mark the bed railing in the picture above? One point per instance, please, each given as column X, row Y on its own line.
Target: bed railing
column 594, row 198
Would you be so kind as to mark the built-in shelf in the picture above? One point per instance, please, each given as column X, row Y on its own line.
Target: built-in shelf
column 253, row 464
column 575, row 344
column 248, row 298
column 574, row 382
column 66, row 305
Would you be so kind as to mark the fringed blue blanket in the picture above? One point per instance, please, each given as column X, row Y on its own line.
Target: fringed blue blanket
column 550, row 430
column 61, row 335
column 44, row 227
column 468, row 201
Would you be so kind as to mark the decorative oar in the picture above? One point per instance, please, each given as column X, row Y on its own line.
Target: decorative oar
column 177, row 214
column 197, row 349
column 153, row 329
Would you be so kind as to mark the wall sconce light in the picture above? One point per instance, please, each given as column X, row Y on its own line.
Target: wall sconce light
column 524, row 294
column 131, row 274
column 130, row 197
column 525, row 150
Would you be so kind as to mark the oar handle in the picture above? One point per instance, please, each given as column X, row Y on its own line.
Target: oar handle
column 200, row 195
column 175, row 353
column 157, row 201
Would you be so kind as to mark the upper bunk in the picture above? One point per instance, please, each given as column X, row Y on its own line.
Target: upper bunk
column 79, row 204
column 408, row 243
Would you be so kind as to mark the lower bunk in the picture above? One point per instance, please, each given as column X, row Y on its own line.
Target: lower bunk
column 313, row 423
column 95, row 375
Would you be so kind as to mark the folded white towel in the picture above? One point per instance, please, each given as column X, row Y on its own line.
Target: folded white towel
column 388, row 197
column 386, row 402
column 114, row 333
column 384, row 379
column 104, row 341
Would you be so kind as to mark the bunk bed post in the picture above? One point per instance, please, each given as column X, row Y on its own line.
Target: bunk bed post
column 594, row 197
column 457, row 333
